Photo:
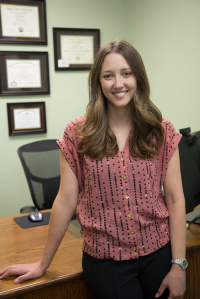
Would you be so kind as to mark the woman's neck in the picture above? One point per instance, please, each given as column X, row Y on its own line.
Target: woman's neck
column 120, row 118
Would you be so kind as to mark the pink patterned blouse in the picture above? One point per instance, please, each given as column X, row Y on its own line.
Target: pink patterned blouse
column 121, row 208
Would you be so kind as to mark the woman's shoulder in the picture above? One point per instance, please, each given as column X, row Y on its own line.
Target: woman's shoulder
column 167, row 124
column 169, row 129
column 74, row 124
column 77, row 121
column 71, row 131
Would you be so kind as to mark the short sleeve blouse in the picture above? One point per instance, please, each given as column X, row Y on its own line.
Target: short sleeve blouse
column 121, row 208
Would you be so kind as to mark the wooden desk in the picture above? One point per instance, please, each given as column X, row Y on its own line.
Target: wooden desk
column 193, row 257
column 64, row 277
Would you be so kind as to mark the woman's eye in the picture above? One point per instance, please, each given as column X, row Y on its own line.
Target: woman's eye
column 127, row 74
column 107, row 76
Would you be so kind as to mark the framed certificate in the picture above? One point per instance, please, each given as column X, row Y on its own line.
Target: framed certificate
column 23, row 22
column 24, row 73
column 26, row 118
column 75, row 49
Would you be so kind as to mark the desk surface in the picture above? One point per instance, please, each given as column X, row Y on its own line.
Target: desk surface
column 193, row 236
column 26, row 245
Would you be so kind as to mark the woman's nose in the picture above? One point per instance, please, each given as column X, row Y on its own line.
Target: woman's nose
column 118, row 83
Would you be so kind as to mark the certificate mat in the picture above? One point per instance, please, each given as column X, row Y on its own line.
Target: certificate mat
column 20, row 20
column 22, row 73
column 77, row 49
column 27, row 118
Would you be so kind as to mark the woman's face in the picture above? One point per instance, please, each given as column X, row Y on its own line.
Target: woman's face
column 117, row 81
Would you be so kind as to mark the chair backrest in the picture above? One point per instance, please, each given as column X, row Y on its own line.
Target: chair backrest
column 189, row 152
column 40, row 161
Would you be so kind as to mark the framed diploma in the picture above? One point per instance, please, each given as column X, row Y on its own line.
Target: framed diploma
column 24, row 73
column 23, row 22
column 75, row 49
column 26, row 118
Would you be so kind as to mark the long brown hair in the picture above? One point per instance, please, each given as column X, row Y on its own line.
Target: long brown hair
column 97, row 138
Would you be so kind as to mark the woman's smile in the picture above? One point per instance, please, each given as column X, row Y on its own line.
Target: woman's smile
column 120, row 94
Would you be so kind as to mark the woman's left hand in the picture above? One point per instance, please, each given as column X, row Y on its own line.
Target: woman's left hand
column 175, row 281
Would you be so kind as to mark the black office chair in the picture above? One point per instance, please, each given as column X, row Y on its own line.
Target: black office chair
column 41, row 164
column 189, row 151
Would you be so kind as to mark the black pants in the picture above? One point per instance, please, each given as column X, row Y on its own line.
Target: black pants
column 132, row 279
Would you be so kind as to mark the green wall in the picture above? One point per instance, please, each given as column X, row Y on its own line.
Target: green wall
column 166, row 33
column 69, row 90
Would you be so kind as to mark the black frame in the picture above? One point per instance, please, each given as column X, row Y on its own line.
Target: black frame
column 57, row 32
column 6, row 90
column 42, row 39
column 13, row 131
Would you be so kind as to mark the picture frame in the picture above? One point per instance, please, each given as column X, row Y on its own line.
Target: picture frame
column 24, row 73
column 23, row 22
column 26, row 118
column 75, row 49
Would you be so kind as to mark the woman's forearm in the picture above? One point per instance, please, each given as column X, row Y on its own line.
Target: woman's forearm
column 175, row 201
column 177, row 225
column 59, row 221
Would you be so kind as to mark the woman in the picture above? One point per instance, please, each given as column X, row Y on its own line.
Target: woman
column 114, row 163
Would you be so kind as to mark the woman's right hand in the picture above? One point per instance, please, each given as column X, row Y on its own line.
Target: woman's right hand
column 23, row 271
